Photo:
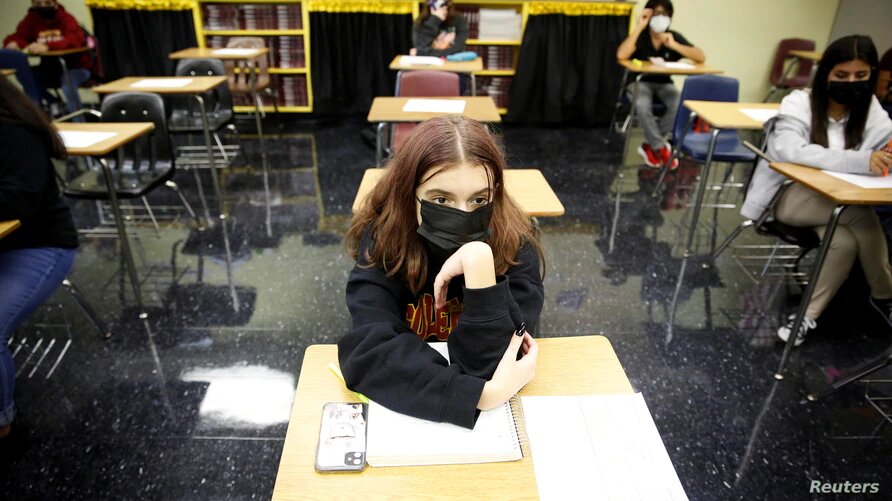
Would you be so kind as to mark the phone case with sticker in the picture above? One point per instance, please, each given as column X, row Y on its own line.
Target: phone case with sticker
column 342, row 437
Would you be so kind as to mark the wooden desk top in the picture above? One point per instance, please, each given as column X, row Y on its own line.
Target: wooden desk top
column 7, row 227
column 728, row 115
column 833, row 188
column 60, row 52
column 390, row 109
column 124, row 133
column 450, row 66
column 567, row 366
column 652, row 69
column 198, row 85
column 242, row 54
column 7, row 71
column 811, row 55
column 528, row 187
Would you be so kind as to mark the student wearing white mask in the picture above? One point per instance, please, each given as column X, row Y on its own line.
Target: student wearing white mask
column 653, row 38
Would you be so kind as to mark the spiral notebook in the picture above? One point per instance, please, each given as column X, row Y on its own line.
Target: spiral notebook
column 395, row 439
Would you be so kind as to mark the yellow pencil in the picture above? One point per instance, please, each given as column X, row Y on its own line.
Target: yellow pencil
column 337, row 372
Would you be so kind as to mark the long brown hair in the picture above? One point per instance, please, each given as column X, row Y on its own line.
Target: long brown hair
column 389, row 211
column 17, row 109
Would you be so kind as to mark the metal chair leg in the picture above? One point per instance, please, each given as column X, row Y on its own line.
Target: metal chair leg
column 104, row 332
column 222, row 149
column 730, row 238
column 173, row 186
column 856, row 374
column 151, row 216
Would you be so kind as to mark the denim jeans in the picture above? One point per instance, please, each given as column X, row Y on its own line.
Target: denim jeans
column 35, row 80
column 27, row 278
column 655, row 129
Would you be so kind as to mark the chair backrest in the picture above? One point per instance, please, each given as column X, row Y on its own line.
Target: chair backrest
column 783, row 50
column 140, row 107
column 240, row 82
column 427, row 84
column 703, row 88
column 220, row 97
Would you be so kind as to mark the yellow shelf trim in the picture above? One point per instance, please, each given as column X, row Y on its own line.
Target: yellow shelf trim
column 272, row 33
column 141, row 4
column 580, row 8
column 360, row 6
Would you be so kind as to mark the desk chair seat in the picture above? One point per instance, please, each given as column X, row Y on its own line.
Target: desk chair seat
column 421, row 84
column 129, row 181
column 779, row 78
column 728, row 147
column 184, row 120
column 185, row 115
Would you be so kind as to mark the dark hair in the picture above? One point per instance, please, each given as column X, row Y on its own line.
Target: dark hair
column 451, row 14
column 390, row 210
column 17, row 109
column 665, row 4
column 849, row 48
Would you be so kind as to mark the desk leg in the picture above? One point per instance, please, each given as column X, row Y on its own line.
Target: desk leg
column 473, row 84
column 126, row 252
column 628, row 129
column 66, row 83
column 810, row 289
column 263, row 158
column 619, row 99
column 216, row 184
column 379, row 144
column 701, row 188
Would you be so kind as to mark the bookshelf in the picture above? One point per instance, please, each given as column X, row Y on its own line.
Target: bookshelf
column 499, row 56
column 284, row 26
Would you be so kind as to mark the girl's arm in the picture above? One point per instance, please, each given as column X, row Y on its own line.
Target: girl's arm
column 791, row 143
column 423, row 36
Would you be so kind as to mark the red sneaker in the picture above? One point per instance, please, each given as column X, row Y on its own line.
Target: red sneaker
column 665, row 154
column 651, row 157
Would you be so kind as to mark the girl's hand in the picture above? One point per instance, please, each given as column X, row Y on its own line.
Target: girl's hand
column 880, row 161
column 473, row 260
column 646, row 14
column 511, row 374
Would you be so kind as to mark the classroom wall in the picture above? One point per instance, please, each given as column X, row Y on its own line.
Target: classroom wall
column 741, row 37
column 14, row 10
column 865, row 17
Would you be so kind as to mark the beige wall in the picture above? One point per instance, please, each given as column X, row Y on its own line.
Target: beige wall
column 741, row 37
column 865, row 17
column 12, row 11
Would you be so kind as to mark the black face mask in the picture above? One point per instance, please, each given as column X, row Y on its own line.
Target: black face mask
column 45, row 12
column 849, row 93
column 446, row 229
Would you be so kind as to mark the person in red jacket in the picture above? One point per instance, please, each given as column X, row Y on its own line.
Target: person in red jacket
column 47, row 27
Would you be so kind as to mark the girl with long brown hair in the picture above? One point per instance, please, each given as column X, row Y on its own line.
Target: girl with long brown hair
column 442, row 253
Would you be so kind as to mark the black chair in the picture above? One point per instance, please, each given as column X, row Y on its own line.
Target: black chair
column 185, row 117
column 135, row 169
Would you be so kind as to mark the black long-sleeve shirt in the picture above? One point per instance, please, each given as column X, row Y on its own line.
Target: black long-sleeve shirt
column 28, row 192
column 385, row 355
column 424, row 34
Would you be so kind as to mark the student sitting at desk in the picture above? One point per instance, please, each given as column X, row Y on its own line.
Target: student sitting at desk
column 47, row 26
column 439, row 31
column 653, row 38
column 443, row 254
column 839, row 126
column 35, row 258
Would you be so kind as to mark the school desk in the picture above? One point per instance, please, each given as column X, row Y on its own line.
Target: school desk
column 389, row 109
column 463, row 67
column 124, row 132
column 811, row 55
column 60, row 55
column 843, row 194
column 567, row 366
column 528, row 187
column 7, row 72
column 7, row 227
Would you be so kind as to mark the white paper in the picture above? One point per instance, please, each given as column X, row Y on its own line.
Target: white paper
column 83, row 139
column 435, row 105
column 420, row 61
column 235, row 52
column 678, row 65
column 759, row 114
column 870, row 182
column 604, row 445
column 168, row 83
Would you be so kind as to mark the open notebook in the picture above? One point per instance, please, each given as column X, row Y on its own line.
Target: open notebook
column 395, row 439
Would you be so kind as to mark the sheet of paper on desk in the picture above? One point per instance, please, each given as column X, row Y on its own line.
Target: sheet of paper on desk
column 606, row 446
column 863, row 181
column 678, row 65
column 235, row 52
column 759, row 114
column 83, row 139
column 420, row 61
column 169, row 83
column 434, row 105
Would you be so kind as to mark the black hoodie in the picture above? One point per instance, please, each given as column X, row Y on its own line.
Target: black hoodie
column 385, row 355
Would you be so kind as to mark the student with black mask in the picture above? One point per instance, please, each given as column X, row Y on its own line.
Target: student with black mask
column 444, row 254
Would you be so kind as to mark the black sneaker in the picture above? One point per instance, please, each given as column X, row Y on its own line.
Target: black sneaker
column 884, row 307
column 784, row 331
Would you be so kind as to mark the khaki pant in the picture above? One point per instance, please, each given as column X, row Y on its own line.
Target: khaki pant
column 858, row 234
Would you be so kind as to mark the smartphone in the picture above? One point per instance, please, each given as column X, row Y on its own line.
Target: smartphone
column 341, row 446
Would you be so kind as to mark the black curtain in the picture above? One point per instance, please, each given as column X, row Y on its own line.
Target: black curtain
column 567, row 70
column 350, row 56
column 137, row 42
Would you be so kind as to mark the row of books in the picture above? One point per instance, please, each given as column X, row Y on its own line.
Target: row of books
column 493, row 24
column 495, row 57
column 251, row 17
column 292, row 92
column 285, row 52
column 496, row 88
